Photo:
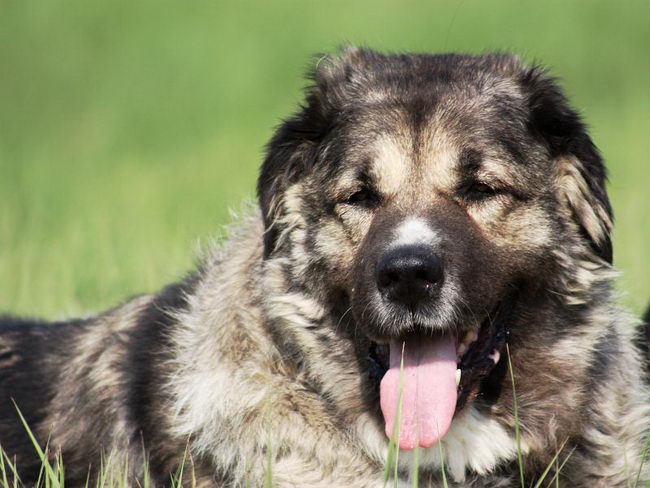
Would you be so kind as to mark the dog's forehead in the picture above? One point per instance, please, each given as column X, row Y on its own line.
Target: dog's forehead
column 391, row 163
column 399, row 164
column 416, row 139
column 430, row 149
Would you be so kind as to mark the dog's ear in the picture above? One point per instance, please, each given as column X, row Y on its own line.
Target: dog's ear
column 581, row 172
column 295, row 146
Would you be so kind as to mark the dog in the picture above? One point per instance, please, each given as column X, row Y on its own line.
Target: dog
column 425, row 288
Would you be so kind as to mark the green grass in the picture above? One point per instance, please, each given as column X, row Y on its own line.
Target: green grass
column 128, row 129
column 515, row 410
column 116, row 476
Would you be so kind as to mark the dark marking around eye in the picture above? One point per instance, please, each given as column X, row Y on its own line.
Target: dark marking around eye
column 477, row 191
column 364, row 196
column 482, row 188
column 470, row 159
column 358, row 197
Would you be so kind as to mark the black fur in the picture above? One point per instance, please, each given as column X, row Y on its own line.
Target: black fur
column 33, row 357
column 149, row 349
column 329, row 104
column 564, row 133
column 282, row 334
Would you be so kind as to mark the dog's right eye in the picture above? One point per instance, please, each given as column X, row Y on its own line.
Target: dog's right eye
column 364, row 196
column 480, row 191
column 358, row 197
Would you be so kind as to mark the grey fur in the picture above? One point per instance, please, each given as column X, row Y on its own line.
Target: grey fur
column 266, row 345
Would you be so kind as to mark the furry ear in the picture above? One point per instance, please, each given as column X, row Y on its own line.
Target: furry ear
column 295, row 145
column 581, row 172
column 288, row 155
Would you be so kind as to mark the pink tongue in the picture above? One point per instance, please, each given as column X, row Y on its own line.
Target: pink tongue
column 427, row 385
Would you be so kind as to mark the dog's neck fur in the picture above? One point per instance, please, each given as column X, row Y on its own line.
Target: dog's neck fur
column 480, row 440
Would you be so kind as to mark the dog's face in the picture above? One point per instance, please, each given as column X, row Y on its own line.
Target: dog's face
column 427, row 190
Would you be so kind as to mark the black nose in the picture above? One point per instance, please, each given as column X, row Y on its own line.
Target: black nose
column 409, row 274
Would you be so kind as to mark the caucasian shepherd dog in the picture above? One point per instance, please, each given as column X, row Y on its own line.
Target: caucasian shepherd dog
column 423, row 220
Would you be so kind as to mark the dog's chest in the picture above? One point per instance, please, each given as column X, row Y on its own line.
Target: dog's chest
column 475, row 444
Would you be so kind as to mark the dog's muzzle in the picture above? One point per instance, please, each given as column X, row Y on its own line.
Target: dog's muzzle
column 426, row 371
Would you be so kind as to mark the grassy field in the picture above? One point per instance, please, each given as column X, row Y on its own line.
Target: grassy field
column 129, row 129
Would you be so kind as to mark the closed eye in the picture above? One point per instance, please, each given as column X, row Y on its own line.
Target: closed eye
column 478, row 190
column 362, row 197
column 359, row 197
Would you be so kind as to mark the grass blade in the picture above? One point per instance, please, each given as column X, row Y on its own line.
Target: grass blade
column 398, row 417
column 415, row 475
column 520, row 458
column 550, row 465
column 50, row 474
column 442, row 466
column 59, row 469
column 644, row 455
column 177, row 478
column 5, row 483
column 392, row 458
column 558, row 470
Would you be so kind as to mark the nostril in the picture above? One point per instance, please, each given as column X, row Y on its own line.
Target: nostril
column 392, row 276
column 387, row 277
column 430, row 274
column 423, row 275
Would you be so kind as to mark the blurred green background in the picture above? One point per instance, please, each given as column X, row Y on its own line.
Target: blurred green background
column 128, row 129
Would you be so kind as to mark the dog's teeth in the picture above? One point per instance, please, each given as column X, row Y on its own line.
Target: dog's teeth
column 465, row 342
column 458, row 373
column 495, row 356
column 472, row 336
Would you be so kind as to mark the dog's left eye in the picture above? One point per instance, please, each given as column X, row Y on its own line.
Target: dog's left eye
column 363, row 196
column 481, row 188
column 478, row 190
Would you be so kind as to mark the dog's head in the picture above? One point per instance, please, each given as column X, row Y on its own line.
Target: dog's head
column 428, row 190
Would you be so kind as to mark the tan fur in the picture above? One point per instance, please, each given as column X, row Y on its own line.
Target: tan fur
column 263, row 357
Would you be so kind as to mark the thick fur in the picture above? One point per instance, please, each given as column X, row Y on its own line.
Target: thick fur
column 262, row 353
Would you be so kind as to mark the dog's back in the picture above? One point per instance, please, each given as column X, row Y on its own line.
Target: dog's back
column 59, row 378
column 31, row 357
column 90, row 389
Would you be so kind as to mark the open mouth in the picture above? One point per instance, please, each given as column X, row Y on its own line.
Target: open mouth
column 425, row 379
